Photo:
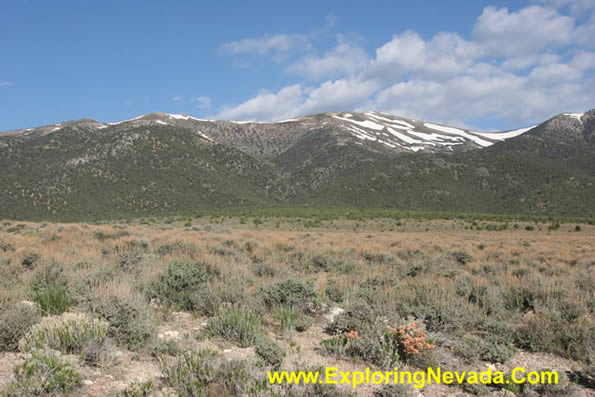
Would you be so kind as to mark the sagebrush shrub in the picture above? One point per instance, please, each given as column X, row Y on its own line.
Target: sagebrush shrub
column 15, row 321
column 461, row 257
column 136, row 389
column 235, row 324
column 131, row 319
column 488, row 348
column 44, row 373
column 30, row 259
column 70, row 333
column 208, row 299
column 205, row 373
column 291, row 293
column 177, row 247
column 179, row 283
column 269, row 351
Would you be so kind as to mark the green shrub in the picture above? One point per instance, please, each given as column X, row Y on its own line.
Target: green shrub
column 30, row 259
column 488, row 348
column 54, row 299
column 529, row 228
column 70, row 333
column 165, row 347
column 205, row 373
column 379, row 258
column 287, row 318
column 263, row 270
column 334, row 346
column 358, row 315
column 6, row 247
column 131, row 319
column 14, row 324
column 548, row 331
column 136, row 389
column 180, row 282
column 302, row 323
column 177, row 247
column 269, row 351
column 44, row 373
column 291, row 293
column 334, row 292
column 212, row 296
column 235, row 324
column 461, row 257
column 377, row 346
column 50, row 289
column 102, row 236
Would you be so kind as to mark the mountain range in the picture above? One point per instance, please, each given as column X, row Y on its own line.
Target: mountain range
column 162, row 163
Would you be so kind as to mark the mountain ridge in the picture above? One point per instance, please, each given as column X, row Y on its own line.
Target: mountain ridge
column 160, row 162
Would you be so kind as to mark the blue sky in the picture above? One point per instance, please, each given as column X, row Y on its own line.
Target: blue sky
column 483, row 64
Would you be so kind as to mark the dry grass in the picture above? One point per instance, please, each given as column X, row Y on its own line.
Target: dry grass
column 517, row 281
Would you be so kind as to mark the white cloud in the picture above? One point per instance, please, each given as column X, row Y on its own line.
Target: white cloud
column 520, row 66
column 296, row 100
column 266, row 105
column 177, row 98
column 464, row 99
column 6, row 84
column 445, row 54
column 553, row 74
column 202, row 102
column 528, row 31
column 267, row 44
column 342, row 60
column 336, row 95
column 584, row 60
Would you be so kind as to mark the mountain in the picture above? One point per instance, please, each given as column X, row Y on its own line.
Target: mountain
column 164, row 163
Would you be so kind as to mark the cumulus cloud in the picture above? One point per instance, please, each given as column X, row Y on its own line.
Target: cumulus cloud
column 408, row 54
column 528, row 31
column 344, row 59
column 518, row 67
column 266, row 105
column 296, row 100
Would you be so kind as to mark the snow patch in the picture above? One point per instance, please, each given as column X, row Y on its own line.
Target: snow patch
column 403, row 137
column 208, row 138
column 500, row 136
column 456, row 131
column 125, row 121
column 392, row 121
column 575, row 115
column 365, row 124
column 161, row 122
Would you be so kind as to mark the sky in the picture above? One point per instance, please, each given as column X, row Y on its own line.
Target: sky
column 488, row 65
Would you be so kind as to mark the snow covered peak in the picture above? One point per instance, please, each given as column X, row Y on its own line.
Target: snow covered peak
column 413, row 135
